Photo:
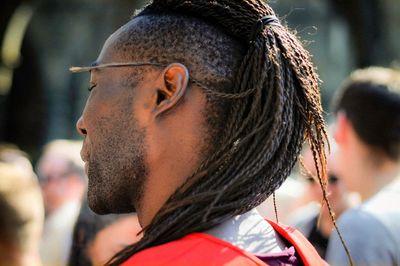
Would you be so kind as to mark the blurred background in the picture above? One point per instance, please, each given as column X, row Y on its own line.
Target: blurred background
column 40, row 100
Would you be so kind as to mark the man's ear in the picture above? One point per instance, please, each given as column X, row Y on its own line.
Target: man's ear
column 173, row 83
column 341, row 128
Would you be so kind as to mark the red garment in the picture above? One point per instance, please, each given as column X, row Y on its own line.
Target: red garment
column 199, row 249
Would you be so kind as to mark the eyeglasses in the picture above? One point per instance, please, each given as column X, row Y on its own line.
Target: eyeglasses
column 45, row 179
column 332, row 179
column 75, row 69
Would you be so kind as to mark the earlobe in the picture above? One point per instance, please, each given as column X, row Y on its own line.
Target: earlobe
column 173, row 83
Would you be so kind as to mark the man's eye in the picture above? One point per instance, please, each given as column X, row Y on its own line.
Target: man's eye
column 92, row 87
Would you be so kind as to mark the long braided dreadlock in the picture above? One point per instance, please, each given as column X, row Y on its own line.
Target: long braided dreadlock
column 274, row 106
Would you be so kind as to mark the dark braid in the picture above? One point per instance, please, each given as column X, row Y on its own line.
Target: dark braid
column 274, row 106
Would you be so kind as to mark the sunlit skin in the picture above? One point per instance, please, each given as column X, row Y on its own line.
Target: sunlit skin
column 112, row 238
column 162, row 116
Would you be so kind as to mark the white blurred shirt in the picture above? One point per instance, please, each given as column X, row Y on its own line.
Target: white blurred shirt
column 371, row 231
column 57, row 234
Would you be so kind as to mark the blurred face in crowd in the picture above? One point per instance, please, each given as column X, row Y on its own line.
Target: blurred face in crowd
column 59, row 182
column 54, row 181
column 336, row 187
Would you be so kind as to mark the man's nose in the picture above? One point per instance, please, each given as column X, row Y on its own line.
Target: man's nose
column 80, row 127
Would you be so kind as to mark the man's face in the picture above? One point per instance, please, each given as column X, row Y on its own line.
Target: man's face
column 336, row 189
column 113, row 148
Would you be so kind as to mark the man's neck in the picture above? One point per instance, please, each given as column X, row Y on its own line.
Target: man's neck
column 377, row 177
column 249, row 232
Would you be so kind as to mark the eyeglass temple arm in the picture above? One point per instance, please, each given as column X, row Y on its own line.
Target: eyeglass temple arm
column 75, row 69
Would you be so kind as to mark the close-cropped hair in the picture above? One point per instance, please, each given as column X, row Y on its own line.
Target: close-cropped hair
column 370, row 99
column 264, row 91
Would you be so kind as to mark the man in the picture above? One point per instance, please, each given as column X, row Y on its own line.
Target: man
column 62, row 180
column 196, row 115
column 368, row 160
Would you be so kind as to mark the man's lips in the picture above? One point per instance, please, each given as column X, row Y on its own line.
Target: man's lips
column 84, row 156
column 85, row 159
column 86, row 168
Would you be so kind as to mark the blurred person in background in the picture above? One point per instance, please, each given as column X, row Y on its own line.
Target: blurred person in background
column 21, row 210
column 62, row 180
column 97, row 238
column 10, row 153
column 292, row 195
column 313, row 219
column 367, row 133
column 288, row 198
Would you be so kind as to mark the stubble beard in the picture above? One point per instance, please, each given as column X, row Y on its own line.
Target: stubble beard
column 117, row 173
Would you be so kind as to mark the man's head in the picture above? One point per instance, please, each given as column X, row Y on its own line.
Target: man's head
column 368, row 120
column 152, row 120
column 197, row 113
column 61, row 174
column 370, row 101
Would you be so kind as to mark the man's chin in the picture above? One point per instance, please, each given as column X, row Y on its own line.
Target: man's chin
column 95, row 205
column 103, row 206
